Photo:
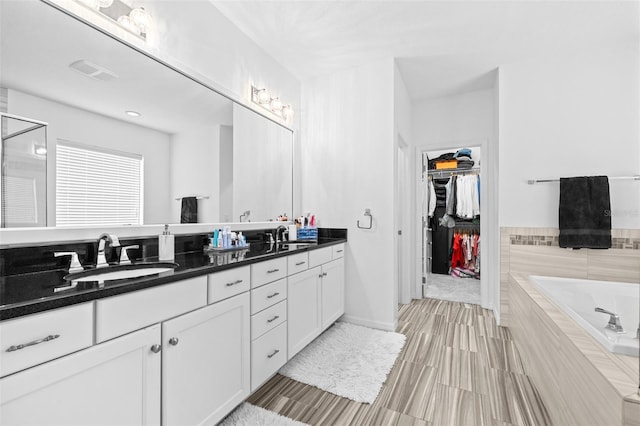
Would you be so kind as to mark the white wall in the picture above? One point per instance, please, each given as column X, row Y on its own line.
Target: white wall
column 196, row 154
column 347, row 166
column 458, row 118
column 81, row 126
column 569, row 116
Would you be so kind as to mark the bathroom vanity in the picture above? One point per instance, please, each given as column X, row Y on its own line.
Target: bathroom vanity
column 180, row 347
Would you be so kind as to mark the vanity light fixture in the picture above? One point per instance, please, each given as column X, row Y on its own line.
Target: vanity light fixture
column 272, row 104
column 133, row 113
column 135, row 20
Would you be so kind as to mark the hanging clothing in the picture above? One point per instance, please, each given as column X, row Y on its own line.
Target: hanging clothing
column 467, row 200
column 431, row 197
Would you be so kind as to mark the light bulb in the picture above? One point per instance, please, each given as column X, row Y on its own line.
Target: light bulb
column 141, row 18
column 126, row 22
column 276, row 104
column 105, row 3
column 287, row 111
column 263, row 96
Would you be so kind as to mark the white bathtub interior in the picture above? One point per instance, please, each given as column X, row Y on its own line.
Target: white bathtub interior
column 579, row 298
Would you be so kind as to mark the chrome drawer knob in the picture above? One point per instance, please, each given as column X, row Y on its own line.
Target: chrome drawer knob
column 173, row 341
column 156, row 348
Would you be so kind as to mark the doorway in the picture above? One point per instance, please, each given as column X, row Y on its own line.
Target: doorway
column 451, row 260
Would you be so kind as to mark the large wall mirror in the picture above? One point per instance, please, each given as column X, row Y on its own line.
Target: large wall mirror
column 188, row 140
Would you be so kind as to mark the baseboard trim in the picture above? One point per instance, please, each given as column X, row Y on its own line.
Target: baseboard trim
column 380, row 325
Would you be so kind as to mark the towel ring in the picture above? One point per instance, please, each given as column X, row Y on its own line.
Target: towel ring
column 367, row 212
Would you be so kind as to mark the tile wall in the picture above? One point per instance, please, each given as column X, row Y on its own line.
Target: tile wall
column 535, row 251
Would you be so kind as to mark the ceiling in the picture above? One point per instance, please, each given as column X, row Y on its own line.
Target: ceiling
column 441, row 47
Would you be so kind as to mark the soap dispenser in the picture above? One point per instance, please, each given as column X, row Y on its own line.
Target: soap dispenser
column 166, row 245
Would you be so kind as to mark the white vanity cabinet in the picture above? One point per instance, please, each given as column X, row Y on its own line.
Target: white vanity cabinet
column 332, row 289
column 205, row 362
column 114, row 383
column 315, row 297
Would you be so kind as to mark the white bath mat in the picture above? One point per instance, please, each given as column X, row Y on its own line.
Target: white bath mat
column 347, row 360
column 250, row 415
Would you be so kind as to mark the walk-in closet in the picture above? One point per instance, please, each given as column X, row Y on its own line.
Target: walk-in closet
column 451, row 224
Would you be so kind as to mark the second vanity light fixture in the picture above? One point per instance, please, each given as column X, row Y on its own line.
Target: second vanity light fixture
column 272, row 104
column 134, row 19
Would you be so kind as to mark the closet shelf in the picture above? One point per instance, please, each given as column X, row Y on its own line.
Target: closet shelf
column 452, row 172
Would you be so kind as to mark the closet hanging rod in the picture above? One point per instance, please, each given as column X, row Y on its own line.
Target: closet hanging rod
column 534, row 181
column 453, row 171
column 205, row 197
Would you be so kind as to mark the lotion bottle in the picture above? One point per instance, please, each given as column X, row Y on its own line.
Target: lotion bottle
column 166, row 245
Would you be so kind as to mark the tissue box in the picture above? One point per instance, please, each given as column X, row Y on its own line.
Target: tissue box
column 307, row 233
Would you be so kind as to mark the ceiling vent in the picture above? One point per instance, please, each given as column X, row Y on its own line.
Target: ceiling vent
column 93, row 71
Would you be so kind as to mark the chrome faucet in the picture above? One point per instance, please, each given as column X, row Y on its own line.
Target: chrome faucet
column 280, row 232
column 614, row 320
column 113, row 241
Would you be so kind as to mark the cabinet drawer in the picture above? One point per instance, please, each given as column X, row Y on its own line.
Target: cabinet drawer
column 320, row 256
column 268, row 319
column 66, row 330
column 225, row 284
column 297, row 263
column 268, row 354
column 338, row 251
column 268, row 271
column 268, row 295
column 122, row 314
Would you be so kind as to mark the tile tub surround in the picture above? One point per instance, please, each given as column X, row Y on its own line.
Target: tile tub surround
column 535, row 251
column 580, row 381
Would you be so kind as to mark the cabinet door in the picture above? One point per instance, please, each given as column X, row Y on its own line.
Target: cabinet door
column 205, row 362
column 332, row 292
column 114, row 383
column 303, row 309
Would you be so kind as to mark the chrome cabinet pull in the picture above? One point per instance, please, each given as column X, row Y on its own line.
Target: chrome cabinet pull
column 234, row 283
column 156, row 348
column 173, row 341
column 273, row 295
column 272, row 354
column 338, row 251
column 35, row 342
column 273, row 319
column 300, row 263
column 324, row 274
column 271, row 271
column 320, row 276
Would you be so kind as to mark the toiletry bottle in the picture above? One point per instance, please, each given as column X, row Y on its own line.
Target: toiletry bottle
column 166, row 245
column 240, row 239
column 214, row 242
column 219, row 242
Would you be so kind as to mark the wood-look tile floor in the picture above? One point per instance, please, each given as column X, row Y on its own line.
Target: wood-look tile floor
column 457, row 368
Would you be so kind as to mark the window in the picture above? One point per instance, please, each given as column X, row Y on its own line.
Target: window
column 97, row 186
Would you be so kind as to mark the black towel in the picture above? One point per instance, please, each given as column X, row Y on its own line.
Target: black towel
column 585, row 212
column 189, row 212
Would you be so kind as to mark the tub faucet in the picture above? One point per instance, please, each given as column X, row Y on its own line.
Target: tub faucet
column 614, row 320
column 113, row 241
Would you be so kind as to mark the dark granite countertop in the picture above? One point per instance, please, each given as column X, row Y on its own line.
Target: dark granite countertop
column 29, row 293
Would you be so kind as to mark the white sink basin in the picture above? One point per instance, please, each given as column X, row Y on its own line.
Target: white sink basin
column 120, row 275
column 120, row 272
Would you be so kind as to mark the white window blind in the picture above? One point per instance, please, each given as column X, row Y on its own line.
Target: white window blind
column 96, row 186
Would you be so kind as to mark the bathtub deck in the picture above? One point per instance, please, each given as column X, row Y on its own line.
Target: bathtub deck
column 581, row 381
column 457, row 367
